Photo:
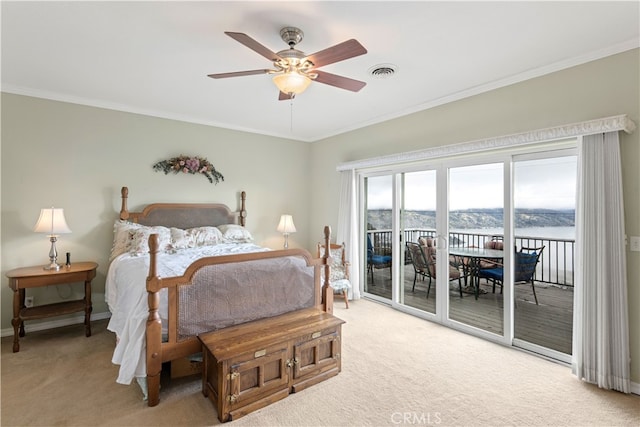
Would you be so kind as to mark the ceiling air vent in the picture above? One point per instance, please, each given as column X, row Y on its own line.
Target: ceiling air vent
column 383, row 71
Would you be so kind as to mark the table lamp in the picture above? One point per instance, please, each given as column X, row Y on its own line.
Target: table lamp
column 286, row 226
column 52, row 222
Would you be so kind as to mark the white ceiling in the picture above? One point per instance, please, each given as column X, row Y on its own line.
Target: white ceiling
column 153, row 57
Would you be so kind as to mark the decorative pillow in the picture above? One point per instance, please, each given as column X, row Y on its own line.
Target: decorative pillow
column 494, row 244
column 525, row 266
column 194, row 237
column 338, row 269
column 425, row 241
column 182, row 239
column 206, row 236
column 140, row 239
column 234, row 233
column 336, row 256
column 526, row 258
column 122, row 237
column 337, row 272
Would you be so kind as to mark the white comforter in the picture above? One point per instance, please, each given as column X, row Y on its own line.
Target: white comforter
column 126, row 296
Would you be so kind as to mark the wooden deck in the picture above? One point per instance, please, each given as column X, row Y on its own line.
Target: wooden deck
column 548, row 324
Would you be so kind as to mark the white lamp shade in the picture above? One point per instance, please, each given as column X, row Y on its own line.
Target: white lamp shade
column 52, row 222
column 291, row 82
column 286, row 224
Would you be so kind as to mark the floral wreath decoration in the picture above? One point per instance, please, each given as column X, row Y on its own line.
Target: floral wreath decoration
column 189, row 164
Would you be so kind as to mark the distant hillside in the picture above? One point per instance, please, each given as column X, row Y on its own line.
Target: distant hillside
column 476, row 218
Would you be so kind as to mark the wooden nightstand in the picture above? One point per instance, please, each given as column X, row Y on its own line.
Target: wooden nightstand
column 34, row 277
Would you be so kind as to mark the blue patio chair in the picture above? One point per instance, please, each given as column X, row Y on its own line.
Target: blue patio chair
column 525, row 263
column 375, row 260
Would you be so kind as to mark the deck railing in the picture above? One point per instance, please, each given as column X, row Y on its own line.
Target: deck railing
column 556, row 265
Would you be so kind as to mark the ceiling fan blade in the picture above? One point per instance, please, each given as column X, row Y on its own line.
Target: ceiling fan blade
column 238, row 74
column 340, row 52
column 284, row 96
column 253, row 45
column 339, row 81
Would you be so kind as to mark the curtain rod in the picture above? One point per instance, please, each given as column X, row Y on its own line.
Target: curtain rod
column 590, row 127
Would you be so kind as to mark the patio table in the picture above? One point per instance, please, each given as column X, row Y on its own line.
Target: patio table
column 471, row 258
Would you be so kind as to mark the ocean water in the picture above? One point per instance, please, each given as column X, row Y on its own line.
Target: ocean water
column 568, row 233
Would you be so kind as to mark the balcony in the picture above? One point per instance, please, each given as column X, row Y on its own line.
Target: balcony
column 548, row 324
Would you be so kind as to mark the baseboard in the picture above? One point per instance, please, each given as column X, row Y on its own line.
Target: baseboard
column 41, row 326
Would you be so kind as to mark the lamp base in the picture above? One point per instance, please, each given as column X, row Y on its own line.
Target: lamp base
column 53, row 266
column 53, row 255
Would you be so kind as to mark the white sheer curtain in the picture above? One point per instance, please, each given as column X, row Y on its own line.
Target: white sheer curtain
column 601, row 328
column 348, row 227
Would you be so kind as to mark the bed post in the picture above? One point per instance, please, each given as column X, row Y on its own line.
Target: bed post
column 243, row 210
column 124, row 211
column 327, row 290
column 154, row 327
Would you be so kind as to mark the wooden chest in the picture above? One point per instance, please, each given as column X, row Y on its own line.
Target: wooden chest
column 249, row 366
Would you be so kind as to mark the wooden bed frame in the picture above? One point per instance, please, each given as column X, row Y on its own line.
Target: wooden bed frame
column 186, row 215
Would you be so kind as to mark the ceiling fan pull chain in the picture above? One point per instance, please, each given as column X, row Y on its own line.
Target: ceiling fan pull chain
column 291, row 115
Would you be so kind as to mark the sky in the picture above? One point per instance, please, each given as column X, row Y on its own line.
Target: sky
column 544, row 183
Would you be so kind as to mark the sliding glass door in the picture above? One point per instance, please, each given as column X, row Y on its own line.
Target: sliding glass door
column 435, row 212
column 544, row 222
column 476, row 222
column 418, row 288
column 446, row 241
column 378, row 214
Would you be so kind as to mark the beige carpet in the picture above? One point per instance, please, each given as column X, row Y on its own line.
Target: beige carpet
column 397, row 370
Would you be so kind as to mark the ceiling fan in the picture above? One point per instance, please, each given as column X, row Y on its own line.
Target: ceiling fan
column 294, row 70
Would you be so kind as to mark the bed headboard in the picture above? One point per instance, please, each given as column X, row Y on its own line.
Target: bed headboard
column 184, row 215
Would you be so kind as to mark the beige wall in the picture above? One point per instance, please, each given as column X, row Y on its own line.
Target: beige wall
column 598, row 89
column 78, row 157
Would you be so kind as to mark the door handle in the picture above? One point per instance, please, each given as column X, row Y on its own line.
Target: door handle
column 441, row 242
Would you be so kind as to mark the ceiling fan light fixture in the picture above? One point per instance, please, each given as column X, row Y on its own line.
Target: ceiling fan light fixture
column 291, row 83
